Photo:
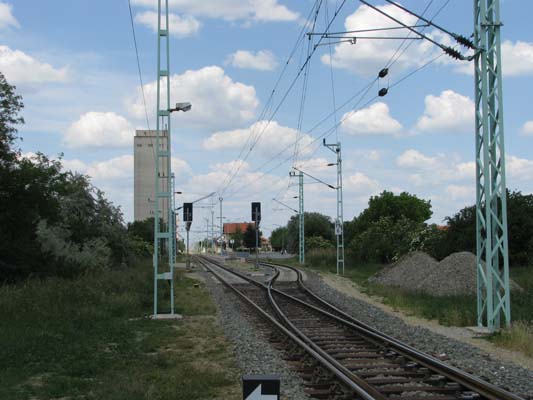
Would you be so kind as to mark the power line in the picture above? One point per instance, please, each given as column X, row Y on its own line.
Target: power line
column 138, row 65
column 365, row 89
column 284, row 97
column 331, row 130
column 269, row 102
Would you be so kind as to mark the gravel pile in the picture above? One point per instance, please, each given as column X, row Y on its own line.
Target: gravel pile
column 519, row 380
column 253, row 352
column 455, row 275
column 410, row 272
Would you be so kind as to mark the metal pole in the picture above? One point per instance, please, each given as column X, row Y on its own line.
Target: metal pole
column 302, row 218
column 339, row 221
column 213, row 231
column 206, row 234
column 221, row 227
column 340, row 211
column 301, row 233
column 188, row 254
column 163, row 166
column 493, row 294
column 256, row 244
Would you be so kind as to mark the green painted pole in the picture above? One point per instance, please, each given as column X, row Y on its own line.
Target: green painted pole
column 492, row 258
column 163, row 192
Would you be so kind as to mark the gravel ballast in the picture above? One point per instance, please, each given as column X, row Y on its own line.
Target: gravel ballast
column 253, row 352
column 417, row 271
column 517, row 379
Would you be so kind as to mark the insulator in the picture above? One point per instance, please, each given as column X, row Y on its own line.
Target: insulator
column 383, row 92
column 383, row 73
column 453, row 53
column 465, row 41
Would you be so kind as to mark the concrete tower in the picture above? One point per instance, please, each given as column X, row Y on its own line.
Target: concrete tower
column 144, row 174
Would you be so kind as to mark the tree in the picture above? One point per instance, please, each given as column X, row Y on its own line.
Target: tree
column 461, row 229
column 385, row 240
column 249, row 236
column 238, row 237
column 317, row 243
column 10, row 106
column 52, row 221
column 142, row 229
column 315, row 224
column 278, row 238
column 389, row 205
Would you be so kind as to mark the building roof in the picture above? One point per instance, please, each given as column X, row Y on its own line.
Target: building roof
column 231, row 227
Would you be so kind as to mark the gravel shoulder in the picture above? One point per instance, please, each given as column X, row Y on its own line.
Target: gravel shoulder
column 253, row 352
column 499, row 366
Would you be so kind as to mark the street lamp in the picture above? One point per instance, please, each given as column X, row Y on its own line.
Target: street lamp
column 181, row 107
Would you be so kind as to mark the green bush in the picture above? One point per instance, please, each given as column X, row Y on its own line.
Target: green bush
column 385, row 240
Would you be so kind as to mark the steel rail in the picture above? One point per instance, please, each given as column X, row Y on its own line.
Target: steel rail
column 467, row 380
column 324, row 361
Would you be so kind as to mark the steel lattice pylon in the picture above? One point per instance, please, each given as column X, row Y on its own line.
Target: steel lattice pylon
column 163, row 233
column 301, row 241
column 301, row 216
column 339, row 222
column 491, row 201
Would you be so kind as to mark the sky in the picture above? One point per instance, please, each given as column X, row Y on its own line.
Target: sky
column 253, row 116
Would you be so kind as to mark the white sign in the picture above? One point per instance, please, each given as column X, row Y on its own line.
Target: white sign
column 338, row 228
column 257, row 394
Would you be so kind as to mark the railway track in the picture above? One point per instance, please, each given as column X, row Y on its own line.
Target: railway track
column 343, row 358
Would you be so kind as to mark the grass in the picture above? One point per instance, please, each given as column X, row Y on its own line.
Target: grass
column 447, row 310
column 85, row 338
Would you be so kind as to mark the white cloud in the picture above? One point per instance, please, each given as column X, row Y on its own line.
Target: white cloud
column 114, row 169
column 527, row 129
column 435, row 170
column 519, row 168
column 517, row 60
column 20, row 68
column 253, row 182
column 6, row 17
column 263, row 60
column 361, row 183
column 461, row 192
column 180, row 26
column 316, row 166
column 117, row 169
column 373, row 120
column 74, row 165
column 274, row 139
column 99, row 129
column 231, row 10
column 217, row 101
column 414, row 159
column 372, row 155
column 367, row 57
column 450, row 112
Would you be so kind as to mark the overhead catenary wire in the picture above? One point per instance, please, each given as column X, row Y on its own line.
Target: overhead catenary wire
column 138, row 65
column 447, row 49
column 289, row 89
column 391, row 61
column 331, row 130
column 459, row 38
column 269, row 103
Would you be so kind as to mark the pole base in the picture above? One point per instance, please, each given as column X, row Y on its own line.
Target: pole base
column 166, row 316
